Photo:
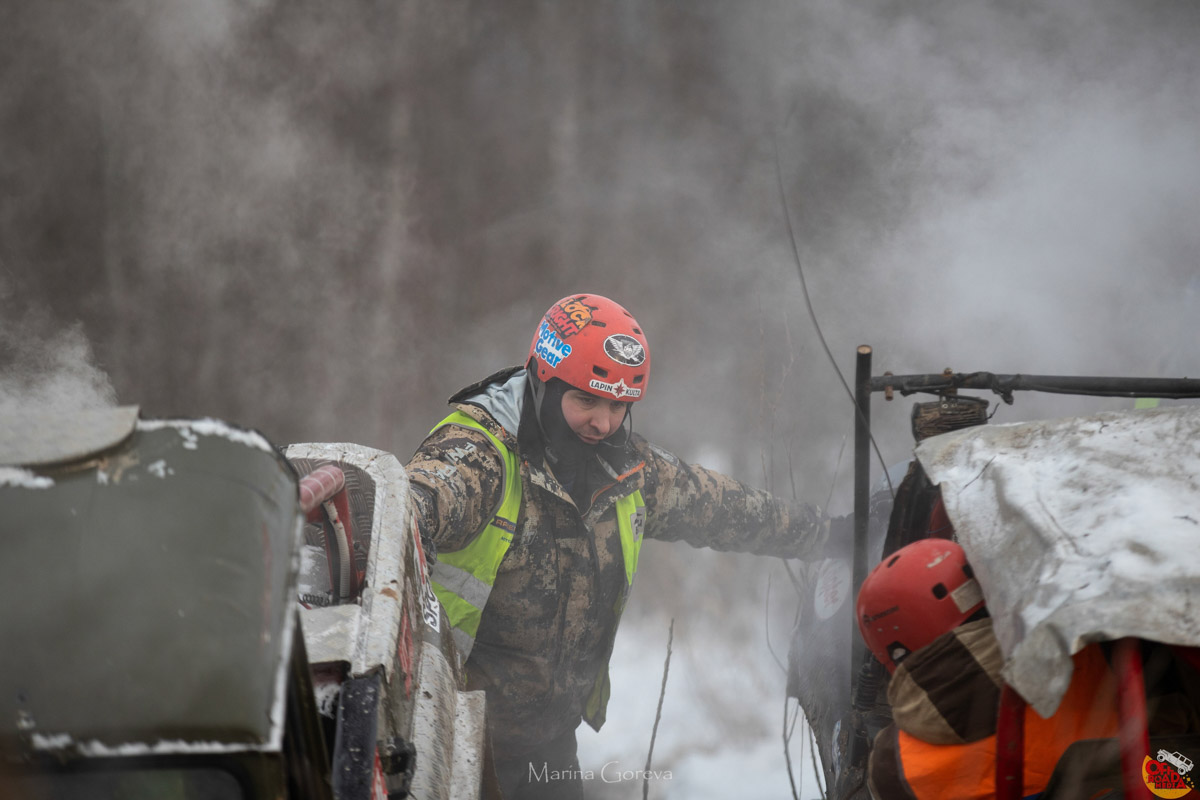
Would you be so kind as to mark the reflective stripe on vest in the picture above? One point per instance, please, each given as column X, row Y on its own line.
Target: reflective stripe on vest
column 462, row 579
column 968, row 771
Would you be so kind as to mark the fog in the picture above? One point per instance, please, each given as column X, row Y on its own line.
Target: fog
column 322, row 222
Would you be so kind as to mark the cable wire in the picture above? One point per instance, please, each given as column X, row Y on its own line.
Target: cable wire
column 787, row 216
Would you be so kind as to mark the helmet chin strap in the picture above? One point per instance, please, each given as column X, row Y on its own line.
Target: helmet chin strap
column 538, row 389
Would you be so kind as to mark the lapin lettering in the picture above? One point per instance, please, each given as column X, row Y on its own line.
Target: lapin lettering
column 618, row 389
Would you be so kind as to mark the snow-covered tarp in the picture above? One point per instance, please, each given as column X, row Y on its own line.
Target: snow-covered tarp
column 1080, row 530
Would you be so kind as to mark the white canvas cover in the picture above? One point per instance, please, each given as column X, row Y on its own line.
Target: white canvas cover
column 1080, row 530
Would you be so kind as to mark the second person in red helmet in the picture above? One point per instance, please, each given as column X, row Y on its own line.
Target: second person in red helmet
column 536, row 493
column 922, row 614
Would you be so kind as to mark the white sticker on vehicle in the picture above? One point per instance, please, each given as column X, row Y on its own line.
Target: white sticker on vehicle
column 431, row 609
column 833, row 587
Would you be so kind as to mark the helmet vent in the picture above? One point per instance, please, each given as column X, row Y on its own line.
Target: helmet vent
column 970, row 573
column 597, row 323
column 638, row 378
column 894, row 560
column 603, row 373
column 940, row 591
column 637, row 330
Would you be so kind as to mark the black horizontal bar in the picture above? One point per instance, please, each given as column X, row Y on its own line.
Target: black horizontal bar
column 1055, row 384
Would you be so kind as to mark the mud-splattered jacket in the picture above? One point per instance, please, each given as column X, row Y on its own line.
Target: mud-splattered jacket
column 548, row 625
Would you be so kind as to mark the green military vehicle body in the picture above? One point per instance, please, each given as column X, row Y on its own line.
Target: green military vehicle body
column 153, row 642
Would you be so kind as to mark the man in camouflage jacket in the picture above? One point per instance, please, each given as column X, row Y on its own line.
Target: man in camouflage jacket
column 547, row 628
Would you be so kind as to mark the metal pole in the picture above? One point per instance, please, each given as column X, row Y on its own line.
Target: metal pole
column 1054, row 384
column 1010, row 745
column 1131, row 704
column 857, row 745
column 862, row 490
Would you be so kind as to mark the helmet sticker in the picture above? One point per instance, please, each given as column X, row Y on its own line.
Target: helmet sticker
column 967, row 596
column 869, row 618
column 549, row 347
column 618, row 389
column 569, row 316
column 625, row 349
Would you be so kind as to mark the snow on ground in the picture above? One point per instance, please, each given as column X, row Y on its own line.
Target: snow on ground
column 720, row 735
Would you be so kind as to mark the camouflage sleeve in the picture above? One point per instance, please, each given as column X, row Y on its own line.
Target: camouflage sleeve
column 687, row 502
column 457, row 482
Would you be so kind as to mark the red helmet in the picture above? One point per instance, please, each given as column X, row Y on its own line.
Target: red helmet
column 915, row 595
column 594, row 345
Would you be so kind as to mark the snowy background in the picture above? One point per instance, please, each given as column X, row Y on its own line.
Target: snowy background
column 321, row 222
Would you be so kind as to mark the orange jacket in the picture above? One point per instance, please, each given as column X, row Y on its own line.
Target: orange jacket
column 964, row 771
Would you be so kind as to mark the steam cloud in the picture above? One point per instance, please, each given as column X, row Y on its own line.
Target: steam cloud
column 321, row 225
column 54, row 374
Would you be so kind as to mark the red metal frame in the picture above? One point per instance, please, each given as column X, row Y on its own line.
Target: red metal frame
column 1133, row 734
column 1131, row 703
column 1010, row 745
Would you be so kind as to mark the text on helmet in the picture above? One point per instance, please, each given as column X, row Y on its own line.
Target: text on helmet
column 618, row 389
column 549, row 347
column 569, row 316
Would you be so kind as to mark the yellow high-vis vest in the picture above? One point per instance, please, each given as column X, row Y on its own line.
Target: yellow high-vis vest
column 463, row 579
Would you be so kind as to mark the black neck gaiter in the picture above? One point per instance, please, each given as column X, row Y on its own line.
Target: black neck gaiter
column 573, row 461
